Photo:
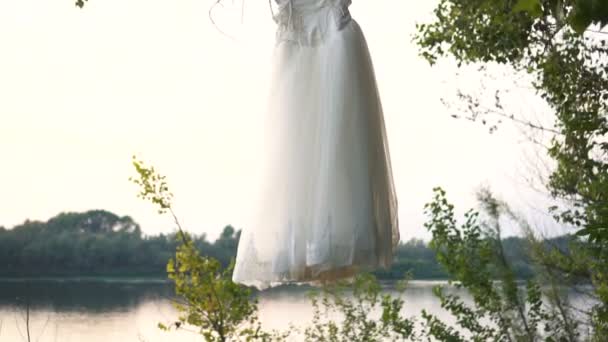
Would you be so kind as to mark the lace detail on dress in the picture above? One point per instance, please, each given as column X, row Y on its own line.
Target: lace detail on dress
column 308, row 22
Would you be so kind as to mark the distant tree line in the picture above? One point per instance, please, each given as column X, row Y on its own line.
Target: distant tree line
column 415, row 256
column 99, row 242
column 96, row 242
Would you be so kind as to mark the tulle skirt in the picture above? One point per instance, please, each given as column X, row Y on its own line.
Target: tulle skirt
column 329, row 208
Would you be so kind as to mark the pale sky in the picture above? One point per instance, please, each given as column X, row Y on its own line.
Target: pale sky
column 81, row 91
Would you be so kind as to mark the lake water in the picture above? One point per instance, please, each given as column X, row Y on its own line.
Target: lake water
column 95, row 310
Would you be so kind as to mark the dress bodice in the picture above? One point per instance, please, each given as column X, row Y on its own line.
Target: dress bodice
column 308, row 22
column 312, row 4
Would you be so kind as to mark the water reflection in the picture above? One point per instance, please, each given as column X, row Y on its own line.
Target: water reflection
column 82, row 295
column 105, row 310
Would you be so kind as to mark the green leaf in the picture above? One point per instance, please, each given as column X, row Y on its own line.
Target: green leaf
column 583, row 232
column 532, row 7
column 601, row 13
column 579, row 22
column 583, row 15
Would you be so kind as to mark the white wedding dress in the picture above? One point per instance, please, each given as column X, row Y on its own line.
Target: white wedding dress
column 329, row 209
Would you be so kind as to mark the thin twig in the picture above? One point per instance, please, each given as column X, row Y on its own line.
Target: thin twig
column 27, row 317
column 579, row 310
column 189, row 330
column 520, row 121
column 507, row 268
column 182, row 235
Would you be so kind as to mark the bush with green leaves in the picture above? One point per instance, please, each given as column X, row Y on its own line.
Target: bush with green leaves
column 206, row 297
column 502, row 310
column 358, row 311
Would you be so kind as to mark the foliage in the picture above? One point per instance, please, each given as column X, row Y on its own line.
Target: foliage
column 97, row 242
column 571, row 75
column 579, row 14
column 585, row 13
column 364, row 313
column 553, row 42
column 207, row 298
column 414, row 257
column 94, row 241
column 474, row 256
